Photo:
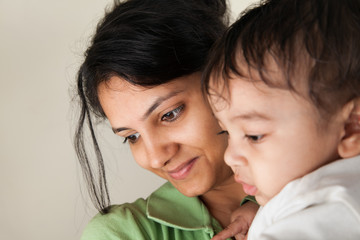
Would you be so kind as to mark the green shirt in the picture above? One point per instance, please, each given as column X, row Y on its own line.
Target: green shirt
column 165, row 214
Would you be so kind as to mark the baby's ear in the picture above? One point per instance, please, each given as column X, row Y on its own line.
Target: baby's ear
column 350, row 143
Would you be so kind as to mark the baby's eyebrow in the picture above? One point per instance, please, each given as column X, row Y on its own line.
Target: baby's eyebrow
column 253, row 115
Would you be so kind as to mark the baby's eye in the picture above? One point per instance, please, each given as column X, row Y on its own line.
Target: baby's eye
column 173, row 114
column 255, row 138
column 223, row 132
column 132, row 138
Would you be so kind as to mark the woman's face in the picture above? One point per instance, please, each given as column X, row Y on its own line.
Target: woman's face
column 171, row 131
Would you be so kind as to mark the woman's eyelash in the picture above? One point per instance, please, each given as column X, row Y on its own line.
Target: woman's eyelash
column 169, row 117
column 173, row 114
column 132, row 138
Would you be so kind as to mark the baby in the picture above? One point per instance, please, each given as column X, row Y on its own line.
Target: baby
column 284, row 83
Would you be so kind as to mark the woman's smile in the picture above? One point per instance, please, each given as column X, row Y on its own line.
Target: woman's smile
column 182, row 171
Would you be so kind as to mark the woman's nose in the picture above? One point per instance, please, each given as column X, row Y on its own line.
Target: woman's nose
column 160, row 151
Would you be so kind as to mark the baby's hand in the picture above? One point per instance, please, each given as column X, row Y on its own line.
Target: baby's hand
column 241, row 220
column 238, row 229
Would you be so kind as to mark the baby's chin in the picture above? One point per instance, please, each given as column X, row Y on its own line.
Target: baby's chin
column 261, row 200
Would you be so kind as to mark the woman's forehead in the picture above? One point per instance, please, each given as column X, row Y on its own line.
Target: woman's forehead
column 119, row 84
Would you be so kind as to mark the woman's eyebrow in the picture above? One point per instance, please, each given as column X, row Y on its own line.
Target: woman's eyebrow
column 158, row 101
column 117, row 130
column 152, row 107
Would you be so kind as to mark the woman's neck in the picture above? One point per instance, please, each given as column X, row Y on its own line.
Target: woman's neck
column 223, row 200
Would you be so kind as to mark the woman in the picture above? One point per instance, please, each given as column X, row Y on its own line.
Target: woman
column 142, row 72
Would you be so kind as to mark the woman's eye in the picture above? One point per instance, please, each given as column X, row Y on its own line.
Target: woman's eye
column 255, row 138
column 132, row 138
column 173, row 115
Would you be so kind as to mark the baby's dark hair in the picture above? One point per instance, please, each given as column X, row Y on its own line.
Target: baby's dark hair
column 322, row 35
column 147, row 43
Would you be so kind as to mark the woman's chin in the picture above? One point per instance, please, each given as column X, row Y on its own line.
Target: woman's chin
column 190, row 190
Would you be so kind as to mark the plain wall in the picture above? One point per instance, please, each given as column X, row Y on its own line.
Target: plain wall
column 42, row 195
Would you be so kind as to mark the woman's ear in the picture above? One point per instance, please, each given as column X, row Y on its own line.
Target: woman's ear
column 349, row 145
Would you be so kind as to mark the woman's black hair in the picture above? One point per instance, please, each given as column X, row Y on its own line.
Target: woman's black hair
column 147, row 43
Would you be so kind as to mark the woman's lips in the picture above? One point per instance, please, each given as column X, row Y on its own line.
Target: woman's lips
column 182, row 171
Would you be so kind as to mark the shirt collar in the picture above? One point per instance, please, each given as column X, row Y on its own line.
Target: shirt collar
column 169, row 207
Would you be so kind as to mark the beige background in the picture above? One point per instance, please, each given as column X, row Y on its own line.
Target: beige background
column 41, row 45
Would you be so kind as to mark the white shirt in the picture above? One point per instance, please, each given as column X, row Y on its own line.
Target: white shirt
column 324, row 204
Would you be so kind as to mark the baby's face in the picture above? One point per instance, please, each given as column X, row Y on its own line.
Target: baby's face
column 275, row 135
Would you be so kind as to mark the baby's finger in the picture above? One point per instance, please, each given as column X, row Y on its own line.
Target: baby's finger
column 237, row 228
column 223, row 235
column 240, row 236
